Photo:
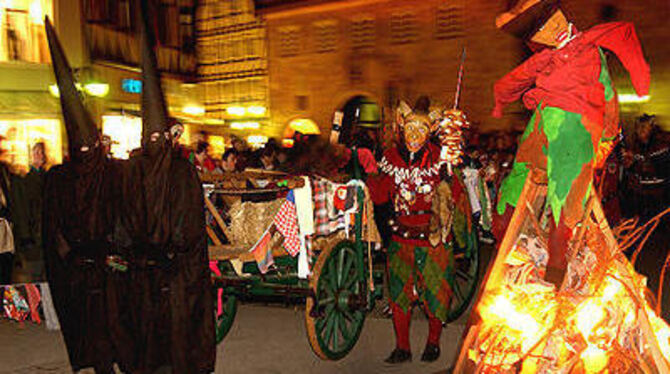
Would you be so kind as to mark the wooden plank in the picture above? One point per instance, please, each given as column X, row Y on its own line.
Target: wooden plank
column 495, row 269
column 215, row 214
column 212, row 235
column 645, row 325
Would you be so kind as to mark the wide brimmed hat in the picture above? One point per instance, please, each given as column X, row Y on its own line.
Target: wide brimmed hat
column 526, row 17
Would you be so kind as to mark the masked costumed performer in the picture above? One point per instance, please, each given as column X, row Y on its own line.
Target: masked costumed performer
column 575, row 119
column 419, row 269
column 164, row 221
column 80, row 201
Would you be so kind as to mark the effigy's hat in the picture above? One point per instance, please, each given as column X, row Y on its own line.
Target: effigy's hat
column 79, row 125
column 526, row 17
column 154, row 110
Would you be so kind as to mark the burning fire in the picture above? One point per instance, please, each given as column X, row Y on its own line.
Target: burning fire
column 594, row 325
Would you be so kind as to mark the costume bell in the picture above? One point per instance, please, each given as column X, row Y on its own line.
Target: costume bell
column 575, row 119
column 420, row 267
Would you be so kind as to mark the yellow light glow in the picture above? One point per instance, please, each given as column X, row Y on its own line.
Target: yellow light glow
column 97, row 89
column 36, row 13
column 21, row 135
column 661, row 331
column 53, row 90
column 304, row 126
column 257, row 141
column 217, row 144
column 256, row 110
column 245, row 125
column 236, row 110
column 633, row 98
column 589, row 314
column 193, row 110
column 126, row 134
column 594, row 359
column 287, row 143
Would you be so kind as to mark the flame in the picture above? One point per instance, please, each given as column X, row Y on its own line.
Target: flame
column 594, row 359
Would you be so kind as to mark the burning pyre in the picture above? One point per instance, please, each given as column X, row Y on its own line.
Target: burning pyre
column 599, row 321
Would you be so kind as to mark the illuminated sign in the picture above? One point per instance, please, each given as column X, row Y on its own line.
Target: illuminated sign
column 131, row 85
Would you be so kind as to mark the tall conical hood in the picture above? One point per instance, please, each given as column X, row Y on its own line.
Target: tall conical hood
column 80, row 127
column 154, row 110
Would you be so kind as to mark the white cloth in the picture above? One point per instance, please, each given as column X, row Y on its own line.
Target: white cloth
column 471, row 183
column 305, row 211
column 50, row 317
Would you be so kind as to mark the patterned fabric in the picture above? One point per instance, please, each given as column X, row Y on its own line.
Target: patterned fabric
column 320, row 193
column 286, row 222
column 424, row 274
column 567, row 157
column 263, row 253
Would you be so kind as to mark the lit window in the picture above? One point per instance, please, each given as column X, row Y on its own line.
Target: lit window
column 20, row 135
column 126, row 134
column 404, row 28
column 22, row 36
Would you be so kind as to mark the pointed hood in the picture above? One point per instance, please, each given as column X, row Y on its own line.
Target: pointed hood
column 154, row 110
column 81, row 129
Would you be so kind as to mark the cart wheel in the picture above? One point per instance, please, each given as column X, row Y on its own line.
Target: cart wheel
column 466, row 275
column 224, row 319
column 335, row 321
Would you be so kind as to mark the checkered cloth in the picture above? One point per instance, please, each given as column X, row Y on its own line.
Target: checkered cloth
column 320, row 194
column 286, row 221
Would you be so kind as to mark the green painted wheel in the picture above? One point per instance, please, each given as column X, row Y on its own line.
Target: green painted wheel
column 224, row 319
column 466, row 275
column 335, row 319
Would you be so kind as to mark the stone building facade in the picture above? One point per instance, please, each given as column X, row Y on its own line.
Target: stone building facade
column 324, row 53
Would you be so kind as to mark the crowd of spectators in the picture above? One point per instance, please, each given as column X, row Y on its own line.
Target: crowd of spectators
column 633, row 182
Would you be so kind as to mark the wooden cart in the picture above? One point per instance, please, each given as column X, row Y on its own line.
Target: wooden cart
column 347, row 276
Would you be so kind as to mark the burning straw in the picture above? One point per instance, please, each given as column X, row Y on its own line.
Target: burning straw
column 599, row 321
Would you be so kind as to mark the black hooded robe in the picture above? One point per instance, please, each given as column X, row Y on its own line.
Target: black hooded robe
column 164, row 228
column 80, row 200
column 172, row 294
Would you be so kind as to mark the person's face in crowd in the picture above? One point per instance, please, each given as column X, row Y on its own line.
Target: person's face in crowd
column 175, row 133
column 416, row 132
column 500, row 143
column 554, row 32
column 38, row 156
column 229, row 164
column 282, row 157
column 202, row 155
column 238, row 145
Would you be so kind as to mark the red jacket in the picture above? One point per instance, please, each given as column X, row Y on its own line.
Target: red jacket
column 568, row 78
column 410, row 186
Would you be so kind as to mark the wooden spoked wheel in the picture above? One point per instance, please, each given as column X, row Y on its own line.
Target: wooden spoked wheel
column 335, row 317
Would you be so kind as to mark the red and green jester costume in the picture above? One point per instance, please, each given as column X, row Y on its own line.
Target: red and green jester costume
column 418, row 270
column 575, row 119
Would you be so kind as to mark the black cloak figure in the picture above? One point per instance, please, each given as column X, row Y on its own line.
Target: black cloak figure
column 79, row 218
column 164, row 221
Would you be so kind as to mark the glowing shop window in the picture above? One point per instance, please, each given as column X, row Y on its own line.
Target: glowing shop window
column 126, row 134
column 18, row 136
column 22, row 36
column 217, row 145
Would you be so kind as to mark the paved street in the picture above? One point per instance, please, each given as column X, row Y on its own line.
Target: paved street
column 272, row 339
column 264, row 339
